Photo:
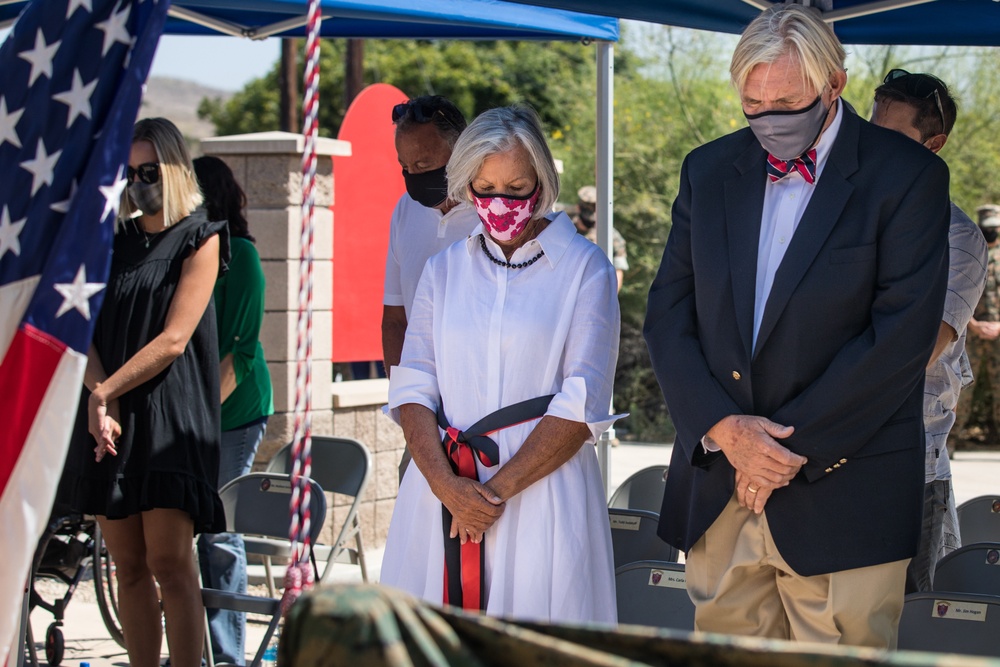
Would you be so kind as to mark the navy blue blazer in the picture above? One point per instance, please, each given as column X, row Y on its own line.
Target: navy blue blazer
column 847, row 330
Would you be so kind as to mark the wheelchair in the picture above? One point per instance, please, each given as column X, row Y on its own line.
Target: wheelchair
column 70, row 548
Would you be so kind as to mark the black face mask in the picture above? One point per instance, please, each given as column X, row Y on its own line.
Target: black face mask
column 429, row 188
column 989, row 233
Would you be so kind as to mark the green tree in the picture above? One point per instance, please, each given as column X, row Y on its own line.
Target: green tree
column 557, row 79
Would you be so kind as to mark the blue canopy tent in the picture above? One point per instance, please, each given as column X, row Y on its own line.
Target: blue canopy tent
column 440, row 19
column 926, row 22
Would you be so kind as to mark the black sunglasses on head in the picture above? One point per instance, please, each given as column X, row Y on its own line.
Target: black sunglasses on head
column 421, row 113
column 916, row 85
column 148, row 173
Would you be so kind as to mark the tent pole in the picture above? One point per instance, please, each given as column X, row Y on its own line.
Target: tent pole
column 605, row 216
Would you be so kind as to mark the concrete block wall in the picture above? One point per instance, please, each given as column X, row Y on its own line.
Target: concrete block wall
column 268, row 166
column 356, row 416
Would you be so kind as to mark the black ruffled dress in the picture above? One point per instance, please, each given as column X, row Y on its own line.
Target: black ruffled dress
column 168, row 454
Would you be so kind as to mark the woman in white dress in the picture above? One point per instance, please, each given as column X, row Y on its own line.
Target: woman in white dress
column 525, row 308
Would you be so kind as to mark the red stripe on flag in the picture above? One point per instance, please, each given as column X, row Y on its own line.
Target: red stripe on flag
column 26, row 370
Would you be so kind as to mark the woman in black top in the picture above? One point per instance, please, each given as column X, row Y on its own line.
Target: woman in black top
column 153, row 407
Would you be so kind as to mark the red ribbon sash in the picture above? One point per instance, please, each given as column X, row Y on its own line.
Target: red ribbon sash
column 471, row 554
column 464, row 564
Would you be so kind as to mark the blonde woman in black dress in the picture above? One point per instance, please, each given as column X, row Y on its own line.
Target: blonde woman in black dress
column 149, row 465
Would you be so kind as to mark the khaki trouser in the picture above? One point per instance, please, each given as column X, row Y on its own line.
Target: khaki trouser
column 741, row 585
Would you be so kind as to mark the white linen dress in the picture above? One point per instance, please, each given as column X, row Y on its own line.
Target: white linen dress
column 482, row 337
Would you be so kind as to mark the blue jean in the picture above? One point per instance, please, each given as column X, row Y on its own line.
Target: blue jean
column 222, row 556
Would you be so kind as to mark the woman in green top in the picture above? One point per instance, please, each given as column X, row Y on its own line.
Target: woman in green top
column 245, row 393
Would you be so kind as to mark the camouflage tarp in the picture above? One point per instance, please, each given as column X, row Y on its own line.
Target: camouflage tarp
column 371, row 626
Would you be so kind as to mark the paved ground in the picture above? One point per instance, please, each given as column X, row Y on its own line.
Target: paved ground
column 976, row 473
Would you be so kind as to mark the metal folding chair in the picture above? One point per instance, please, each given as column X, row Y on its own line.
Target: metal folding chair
column 339, row 465
column 975, row 568
column 634, row 538
column 950, row 623
column 979, row 520
column 654, row 593
column 642, row 490
column 258, row 505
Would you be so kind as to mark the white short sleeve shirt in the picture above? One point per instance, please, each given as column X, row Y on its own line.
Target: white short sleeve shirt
column 415, row 234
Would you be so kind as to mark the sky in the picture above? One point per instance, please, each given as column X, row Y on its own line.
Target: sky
column 226, row 63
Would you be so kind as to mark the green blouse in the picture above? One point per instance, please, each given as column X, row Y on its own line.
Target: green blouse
column 239, row 307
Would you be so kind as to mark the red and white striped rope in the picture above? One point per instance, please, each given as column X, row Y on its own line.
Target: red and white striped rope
column 299, row 574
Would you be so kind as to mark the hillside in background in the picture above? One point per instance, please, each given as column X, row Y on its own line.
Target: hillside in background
column 178, row 100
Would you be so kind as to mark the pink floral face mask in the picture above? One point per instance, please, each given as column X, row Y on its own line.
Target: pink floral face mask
column 505, row 216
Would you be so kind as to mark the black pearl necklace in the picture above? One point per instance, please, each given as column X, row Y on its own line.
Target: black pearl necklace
column 507, row 265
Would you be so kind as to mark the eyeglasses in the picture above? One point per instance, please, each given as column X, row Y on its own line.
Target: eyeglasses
column 148, row 173
column 421, row 113
column 917, row 85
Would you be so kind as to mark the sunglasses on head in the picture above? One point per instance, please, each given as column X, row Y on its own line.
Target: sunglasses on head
column 421, row 113
column 148, row 173
column 916, row 85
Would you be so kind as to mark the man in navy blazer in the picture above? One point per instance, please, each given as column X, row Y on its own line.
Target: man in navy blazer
column 789, row 325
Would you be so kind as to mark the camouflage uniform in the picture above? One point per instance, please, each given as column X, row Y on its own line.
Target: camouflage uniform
column 984, row 355
column 619, row 257
column 374, row 626
column 583, row 218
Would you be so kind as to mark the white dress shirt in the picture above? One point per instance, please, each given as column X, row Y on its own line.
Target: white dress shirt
column 415, row 234
column 784, row 202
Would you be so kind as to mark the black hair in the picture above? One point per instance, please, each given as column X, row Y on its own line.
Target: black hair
column 435, row 109
column 922, row 92
column 224, row 198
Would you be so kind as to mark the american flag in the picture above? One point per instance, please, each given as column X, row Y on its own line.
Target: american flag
column 71, row 78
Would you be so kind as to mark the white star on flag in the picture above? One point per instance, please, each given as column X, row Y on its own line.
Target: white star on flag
column 131, row 48
column 73, row 4
column 55, row 254
column 9, row 231
column 63, row 206
column 7, row 123
column 115, row 29
column 113, row 193
column 77, row 98
column 41, row 168
column 77, row 294
column 40, row 57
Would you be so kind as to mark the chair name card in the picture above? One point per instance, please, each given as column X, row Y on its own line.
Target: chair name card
column 619, row 522
column 961, row 611
column 271, row 485
column 668, row 579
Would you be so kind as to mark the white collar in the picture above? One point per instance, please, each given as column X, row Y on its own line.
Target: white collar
column 554, row 239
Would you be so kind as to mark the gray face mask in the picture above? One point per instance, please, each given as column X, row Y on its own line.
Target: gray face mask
column 148, row 198
column 788, row 134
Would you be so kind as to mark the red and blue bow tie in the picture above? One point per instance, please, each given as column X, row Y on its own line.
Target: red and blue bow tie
column 804, row 164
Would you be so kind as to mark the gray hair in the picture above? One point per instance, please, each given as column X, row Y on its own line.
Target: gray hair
column 498, row 131
column 788, row 29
